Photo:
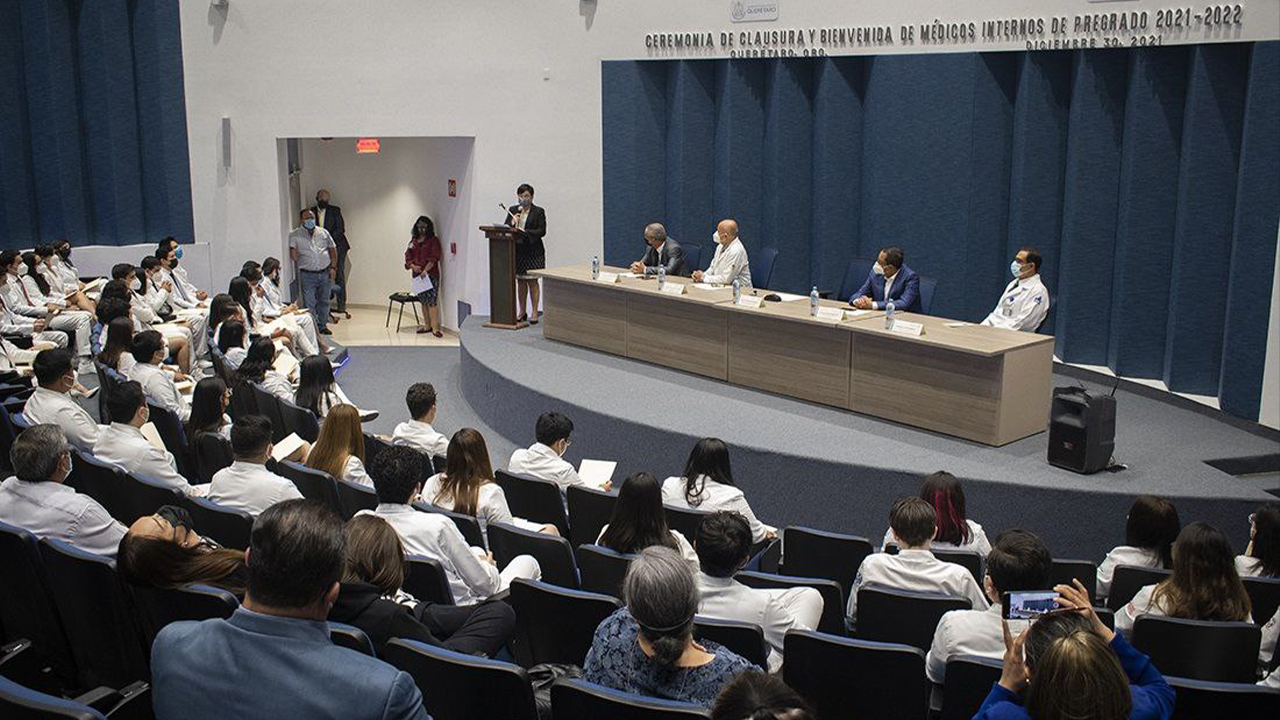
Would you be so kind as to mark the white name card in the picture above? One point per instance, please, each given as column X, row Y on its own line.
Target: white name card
column 903, row 327
column 830, row 314
column 606, row 277
column 753, row 301
column 672, row 289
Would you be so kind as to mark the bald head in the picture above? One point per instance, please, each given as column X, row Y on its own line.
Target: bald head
column 727, row 231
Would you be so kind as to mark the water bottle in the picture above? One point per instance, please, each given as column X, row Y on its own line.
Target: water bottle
column 595, row 267
column 737, row 291
column 662, row 275
column 888, row 315
column 813, row 301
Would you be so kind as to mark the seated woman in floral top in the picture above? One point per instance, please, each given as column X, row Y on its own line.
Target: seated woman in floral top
column 648, row 648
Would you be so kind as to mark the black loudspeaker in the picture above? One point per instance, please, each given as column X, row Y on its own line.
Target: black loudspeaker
column 1082, row 430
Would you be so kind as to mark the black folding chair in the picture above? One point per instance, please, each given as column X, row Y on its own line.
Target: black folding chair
column 1264, row 596
column 463, row 687
column 229, row 527
column 574, row 699
column 902, row 616
column 373, row 446
column 158, row 607
column 1129, row 579
column 469, row 526
column 848, row 679
column 354, row 497
column 352, row 638
column 313, row 484
column 268, row 405
column 212, row 453
column 685, row 521
column 1200, row 699
column 142, row 496
column 817, row 553
column 438, row 463
column 101, row 481
column 27, row 609
column 967, row 559
column 744, row 638
column 426, row 580
column 967, row 683
column 298, row 420
column 556, row 624
column 602, row 570
column 554, row 555
column 589, row 512
column 1224, row 651
column 244, row 401
column 534, row 500
column 20, row 702
column 833, row 606
column 1086, row 571
column 169, row 427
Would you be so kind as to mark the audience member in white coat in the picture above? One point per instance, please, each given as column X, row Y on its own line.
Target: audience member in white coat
column 466, row 486
column 1262, row 557
column 955, row 530
column 1149, row 531
column 707, row 484
column 1018, row 562
column 148, row 350
column 913, row 524
column 52, row 402
column 19, row 300
column 122, row 443
column 247, row 484
column 1267, row 650
column 339, row 450
column 639, row 521
column 472, row 573
column 418, row 432
column 544, row 459
column 1204, row 584
column 724, row 546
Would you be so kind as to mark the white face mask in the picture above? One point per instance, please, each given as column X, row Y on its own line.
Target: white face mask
column 877, row 269
column 137, row 285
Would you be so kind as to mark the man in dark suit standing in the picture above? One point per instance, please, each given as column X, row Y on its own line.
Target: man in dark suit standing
column 890, row 279
column 663, row 251
column 329, row 217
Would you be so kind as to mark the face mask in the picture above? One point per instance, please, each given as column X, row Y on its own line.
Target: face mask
column 137, row 285
column 309, row 224
column 877, row 269
column 526, row 202
column 322, row 204
column 1015, row 267
column 64, row 253
column 177, row 517
column 173, row 263
column 177, row 252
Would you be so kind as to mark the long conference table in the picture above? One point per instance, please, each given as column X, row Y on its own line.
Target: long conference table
column 971, row 381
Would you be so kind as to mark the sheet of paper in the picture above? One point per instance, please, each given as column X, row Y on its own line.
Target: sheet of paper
column 858, row 313
column 186, row 387
column 958, row 324
column 285, row 363
column 421, row 283
column 788, row 297
column 95, row 285
column 152, row 435
column 284, row 322
column 286, row 447
column 596, row 472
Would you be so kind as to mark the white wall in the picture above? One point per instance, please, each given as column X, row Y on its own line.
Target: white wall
column 381, row 195
column 1269, row 413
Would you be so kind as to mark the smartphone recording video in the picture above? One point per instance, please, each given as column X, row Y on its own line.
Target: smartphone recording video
column 1027, row 605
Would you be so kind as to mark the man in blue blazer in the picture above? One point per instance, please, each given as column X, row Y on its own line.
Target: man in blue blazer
column 902, row 282
column 273, row 657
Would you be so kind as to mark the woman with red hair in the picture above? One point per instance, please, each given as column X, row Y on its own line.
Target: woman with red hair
column 955, row 530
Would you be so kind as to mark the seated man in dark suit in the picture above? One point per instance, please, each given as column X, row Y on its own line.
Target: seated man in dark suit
column 663, row 251
column 273, row 657
column 902, row 283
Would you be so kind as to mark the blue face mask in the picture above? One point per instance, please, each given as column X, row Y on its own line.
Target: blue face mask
column 1015, row 267
column 309, row 224
column 178, row 252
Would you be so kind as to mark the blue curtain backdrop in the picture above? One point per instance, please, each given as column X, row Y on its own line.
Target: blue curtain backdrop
column 1146, row 177
column 93, row 123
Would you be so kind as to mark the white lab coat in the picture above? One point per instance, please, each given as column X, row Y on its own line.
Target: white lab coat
column 968, row 632
column 918, row 571
column 774, row 611
column 55, row 408
column 420, row 436
column 250, row 487
column 728, row 263
column 159, row 388
column 1124, row 555
column 540, row 461
column 125, row 447
column 491, row 506
column 714, row 497
column 1023, row 306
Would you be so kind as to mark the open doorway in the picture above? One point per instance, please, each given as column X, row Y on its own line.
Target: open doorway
column 381, row 186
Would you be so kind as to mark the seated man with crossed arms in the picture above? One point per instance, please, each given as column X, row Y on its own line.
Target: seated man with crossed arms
column 889, row 280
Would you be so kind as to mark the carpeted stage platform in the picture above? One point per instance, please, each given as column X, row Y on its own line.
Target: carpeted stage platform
column 807, row 464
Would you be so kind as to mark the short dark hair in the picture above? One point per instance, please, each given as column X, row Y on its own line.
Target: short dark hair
column 120, row 271
column 758, row 696
column 118, row 289
column 913, row 520
column 163, row 251
column 1033, row 255
column 252, row 273
column 723, row 543
column 552, row 427
column 250, row 435
column 420, row 398
column 110, row 308
column 1019, row 560
column 124, row 400
column 145, row 345
column 149, row 262
column 7, row 257
column 397, row 472
column 51, row 364
column 893, row 256
column 296, row 552
column 1153, row 524
column 524, row 188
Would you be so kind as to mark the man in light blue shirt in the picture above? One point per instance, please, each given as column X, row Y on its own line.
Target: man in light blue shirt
column 315, row 255
column 273, row 656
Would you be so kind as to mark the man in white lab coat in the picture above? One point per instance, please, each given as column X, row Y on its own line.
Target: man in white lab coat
column 543, row 459
column 1025, row 301
column 122, row 443
column 52, row 402
column 149, row 349
column 418, row 433
column 730, row 261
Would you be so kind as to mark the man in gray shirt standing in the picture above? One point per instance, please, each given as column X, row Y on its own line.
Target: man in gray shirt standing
column 315, row 255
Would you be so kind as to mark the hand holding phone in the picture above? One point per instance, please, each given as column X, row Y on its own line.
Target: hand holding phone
column 1027, row 604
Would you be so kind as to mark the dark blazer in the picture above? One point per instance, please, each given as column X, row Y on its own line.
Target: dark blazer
column 535, row 225
column 905, row 292
column 362, row 605
column 672, row 257
column 334, row 223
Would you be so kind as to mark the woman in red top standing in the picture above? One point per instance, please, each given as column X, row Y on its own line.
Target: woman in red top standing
column 422, row 257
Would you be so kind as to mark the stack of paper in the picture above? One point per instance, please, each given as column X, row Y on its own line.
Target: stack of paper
column 186, row 387
column 286, row 447
column 152, row 435
column 595, row 473
column 285, row 363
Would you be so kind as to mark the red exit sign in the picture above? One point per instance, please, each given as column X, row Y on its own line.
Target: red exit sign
column 368, row 146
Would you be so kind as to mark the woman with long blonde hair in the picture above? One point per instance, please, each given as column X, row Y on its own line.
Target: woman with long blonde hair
column 339, row 450
column 466, row 486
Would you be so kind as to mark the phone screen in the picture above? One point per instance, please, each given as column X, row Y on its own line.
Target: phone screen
column 1026, row 605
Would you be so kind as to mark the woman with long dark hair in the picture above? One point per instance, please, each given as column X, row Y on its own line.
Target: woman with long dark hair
column 956, row 531
column 209, row 403
column 638, row 521
column 466, row 486
column 115, row 349
column 233, row 341
column 707, row 484
column 1149, row 531
column 1204, row 584
column 47, row 275
column 162, row 551
column 422, row 258
column 318, row 391
column 257, row 369
column 1262, row 557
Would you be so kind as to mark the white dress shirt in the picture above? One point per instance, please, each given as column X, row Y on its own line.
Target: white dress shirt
column 40, row 298
column 917, row 571
column 491, row 507
column 1124, row 555
column 1023, row 306
column 1144, row 604
column 274, row 382
column 728, row 263
column 435, row 536
column 420, row 436
column 977, row 541
column 353, row 472
column 541, row 462
column 128, row 449
column 159, row 389
column 728, row 599
column 250, row 487
column 56, row 408
column 888, row 287
column 686, row 548
column 53, row 510
column 234, row 357
column 1245, row 566
column 715, row 497
column 1270, row 635
column 968, row 632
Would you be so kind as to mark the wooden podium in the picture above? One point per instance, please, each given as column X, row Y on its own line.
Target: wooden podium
column 502, row 275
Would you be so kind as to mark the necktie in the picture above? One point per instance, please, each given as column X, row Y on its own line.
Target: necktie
column 177, row 285
column 23, row 287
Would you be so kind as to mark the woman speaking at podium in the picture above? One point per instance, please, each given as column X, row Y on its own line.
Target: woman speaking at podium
column 530, row 253
column 422, row 258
